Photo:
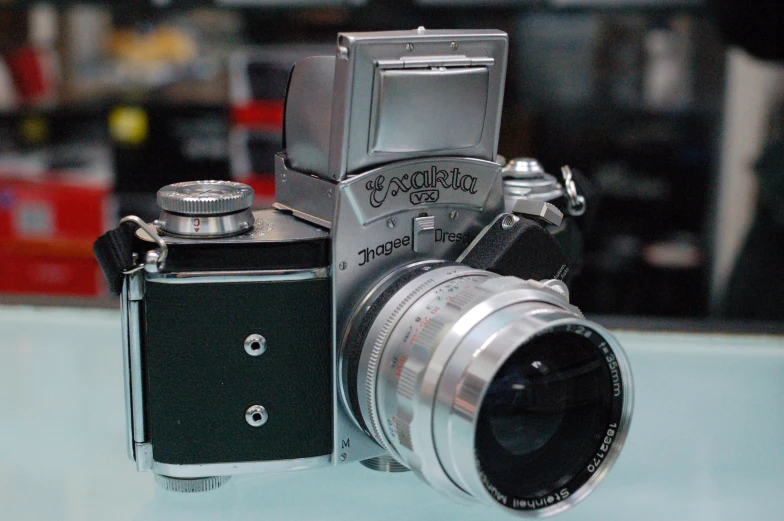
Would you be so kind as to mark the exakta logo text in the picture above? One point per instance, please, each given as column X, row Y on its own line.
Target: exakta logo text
column 424, row 186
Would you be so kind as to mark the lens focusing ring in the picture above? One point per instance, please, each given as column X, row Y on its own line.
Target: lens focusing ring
column 375, row 342
column 418, row 352
column 375, row 358
column 367, row 313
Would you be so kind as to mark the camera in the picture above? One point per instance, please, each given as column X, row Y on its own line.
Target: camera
column 403, row 303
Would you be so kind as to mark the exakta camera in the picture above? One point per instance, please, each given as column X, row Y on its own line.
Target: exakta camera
column 403, row 304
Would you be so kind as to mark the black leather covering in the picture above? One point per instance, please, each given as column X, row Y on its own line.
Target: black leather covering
column 200, row 379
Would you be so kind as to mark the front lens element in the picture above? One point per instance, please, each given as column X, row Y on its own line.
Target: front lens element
column 544, row 415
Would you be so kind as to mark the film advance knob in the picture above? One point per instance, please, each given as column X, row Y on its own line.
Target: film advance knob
column 205, row 208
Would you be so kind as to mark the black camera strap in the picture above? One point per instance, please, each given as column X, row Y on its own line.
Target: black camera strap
column 115, row 255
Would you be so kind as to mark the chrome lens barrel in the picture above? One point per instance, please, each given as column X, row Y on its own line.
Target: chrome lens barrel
column 490, row 388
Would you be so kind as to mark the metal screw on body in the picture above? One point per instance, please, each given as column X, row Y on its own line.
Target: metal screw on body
column 255, row 344
column 256, row 415
column 410, row 47
column 343, row 457
column 453, row 214
column 453, row 46
column 391, row 222
column 509, row 221
column 343, row 265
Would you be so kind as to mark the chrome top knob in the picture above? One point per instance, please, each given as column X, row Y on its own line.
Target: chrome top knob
column 524, row 179
column 205, row 209
column 522, row 168
column 205, row 197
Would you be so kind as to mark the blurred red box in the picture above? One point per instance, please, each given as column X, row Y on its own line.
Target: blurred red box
column 41, row 275
column 47, row 228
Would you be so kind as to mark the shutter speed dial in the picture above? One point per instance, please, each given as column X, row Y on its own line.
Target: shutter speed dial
column 205, row 209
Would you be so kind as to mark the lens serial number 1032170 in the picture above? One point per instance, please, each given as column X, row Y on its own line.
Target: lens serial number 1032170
column 604, row 448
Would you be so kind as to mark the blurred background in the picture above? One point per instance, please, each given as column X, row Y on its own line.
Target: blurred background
column 672, row 108
column 666, row 105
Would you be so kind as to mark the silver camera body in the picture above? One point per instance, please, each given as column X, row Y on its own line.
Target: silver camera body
column 396, row 125
column 402, row 305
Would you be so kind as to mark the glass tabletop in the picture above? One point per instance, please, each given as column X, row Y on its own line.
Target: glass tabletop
column 706, row 443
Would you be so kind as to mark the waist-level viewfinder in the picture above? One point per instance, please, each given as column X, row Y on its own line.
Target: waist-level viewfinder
column 392, row 96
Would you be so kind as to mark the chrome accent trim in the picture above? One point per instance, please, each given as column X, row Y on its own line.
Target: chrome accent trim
column 243, row 467
column 526, row 180
column 144, row 461
column 385, row 463
column 135, row 286
column 523, row 168
column 424, row 234
column 201, row 277
column 302, row 215
column 270, row 226
column 206, row 226
column 257, row 339
column 164, row 250
column 126, row 367
column 308, row 197
column 135, row 358
column 190, row 486
column 425, row 62
column 539, row 210
column 256, row 415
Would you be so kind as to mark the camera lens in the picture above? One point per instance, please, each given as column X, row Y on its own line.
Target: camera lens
column 543, row 415
column 489, row 388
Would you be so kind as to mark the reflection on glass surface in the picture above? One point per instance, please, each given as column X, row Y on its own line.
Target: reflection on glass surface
column 700, row 400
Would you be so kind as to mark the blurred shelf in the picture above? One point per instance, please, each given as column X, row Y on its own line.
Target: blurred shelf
column 107, row 302
column 144, row 5
column 628, row 4
column 285, row 3
column 581, row 4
